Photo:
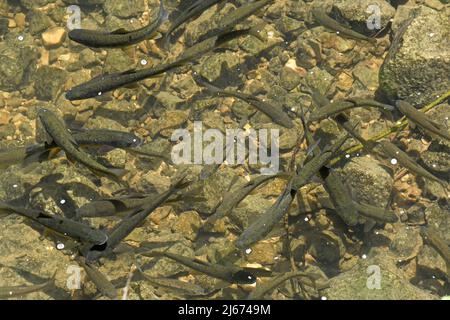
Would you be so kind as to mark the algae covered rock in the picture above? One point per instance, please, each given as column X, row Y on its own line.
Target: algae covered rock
column 417, row 68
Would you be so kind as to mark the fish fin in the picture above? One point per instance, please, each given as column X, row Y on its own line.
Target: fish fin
column 369, row 224
column 120, row 31
column 118, row 172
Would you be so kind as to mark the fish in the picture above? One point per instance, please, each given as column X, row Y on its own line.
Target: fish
column 122, row 229
column 325, row 20
column 117, row 38
column 99, row 279
column 40, row 152
column 274, row 112
column 17, row 291
column 231, row 274
column 267, row 221
column 182, row 287
column 377, row 214
column 110, row 81
column 67, row 227
column 311, row 168
column 422, row 120
column 406, row 161
column 344, row 122
column 338, row 107
column 232, row 199
column 193, row 11
column 106, row 137
column 235, row 17
column 262, row 289
column 58, row 134
column 432, row 238
column 339, row 196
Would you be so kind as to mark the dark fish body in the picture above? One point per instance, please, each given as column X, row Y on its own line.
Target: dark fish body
column 235, row 17
column 230, row 274
column 432, row 238
column 181, row 287
column 105, row 137
column 17, row 291
column 262, row 289
column 381, row 215
column 110, row 207
column 340, row 197
column 325, row 20
column 344, row 122
column 73, row 229
column 274, row 112
column 268, row 220
column 59, row 135
column 99, row 279
column 109, row 82
column 120, row 38
column 312, row 167
column 337, row 107
column 122, row 229
column 194, row 10
column 406, row 161
column 231, row 200
column 422, row 120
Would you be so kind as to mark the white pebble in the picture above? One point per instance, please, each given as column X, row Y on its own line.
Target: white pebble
column 60, row 246
column 364, row 256
column 20, row 38
column 248, row 251
column 62, row 201
column 144, row 62
column 394, row 161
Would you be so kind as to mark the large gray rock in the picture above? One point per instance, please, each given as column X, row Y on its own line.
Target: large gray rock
column 418, row 68
column 360, row 283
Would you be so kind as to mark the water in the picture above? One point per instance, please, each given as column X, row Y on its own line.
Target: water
column 39, row 63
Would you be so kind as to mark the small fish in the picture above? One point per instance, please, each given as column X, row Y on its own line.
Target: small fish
column 17, row 291
column 182, row 287
column 312, row 167
column 122, row 229
column 99, row 279
column 13, row 156
column 118, row 38
column 58, row 134
column 73, row 229
column 111, row 81
column 106, row 137
column 109, row 207
column 232, row 199
column 194, row 10
column 235, row 17
column 267, row 221
column 375, row 213
column 338, row 107
column 143, row 151
column 262, row 289
column 231, row 274
column 431, row 237
column 325, row 20
column 274, row 112
column 340, row 197
column 406, row 161
column 422, row 120
column 344, row 122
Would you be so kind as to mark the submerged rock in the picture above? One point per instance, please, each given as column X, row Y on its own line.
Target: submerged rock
column 417, row 69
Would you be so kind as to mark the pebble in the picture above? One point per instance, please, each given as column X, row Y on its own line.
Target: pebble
column 54, row 37
column 20, row 20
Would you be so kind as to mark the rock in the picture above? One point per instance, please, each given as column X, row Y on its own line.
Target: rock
column 54, row 37
column 188, row 224
column 4, row 26
column 360, row 282
column 49, row 82
column 369, row 182
column 15, row 65
column 366, row 72
column 30, row 4
column 86, row 3
column 263, row 253
column 290, row 78
column 359, row 13
column 121, row 9
column 418, row 69
column 117, row 61
column 38, row 21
